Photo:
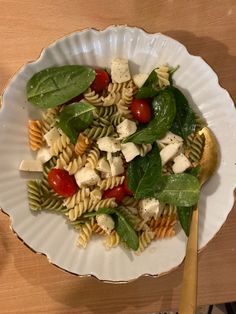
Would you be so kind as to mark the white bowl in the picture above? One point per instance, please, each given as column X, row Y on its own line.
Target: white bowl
column 48, row 233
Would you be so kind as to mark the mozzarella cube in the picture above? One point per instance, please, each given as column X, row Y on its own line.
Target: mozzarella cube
column 108, row 144
column 31, row 166
column 140, row 79
column 51, row 136
column 130, row 151
column 169, row 152
column 86, row 177
column 43, row 154
column 181, row 163
column 170, row 138
column 103, row 165
column 149, row 208
column 117, row 167
column 120, row 70
column 126, row 128
column 105, row 222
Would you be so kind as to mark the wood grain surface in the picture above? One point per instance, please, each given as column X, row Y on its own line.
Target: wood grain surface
column 28, row 283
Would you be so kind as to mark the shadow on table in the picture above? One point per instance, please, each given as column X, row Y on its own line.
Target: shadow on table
column 91, row 294
column 214, row 53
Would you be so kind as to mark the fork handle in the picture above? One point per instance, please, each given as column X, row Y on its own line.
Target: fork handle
column 188, row 297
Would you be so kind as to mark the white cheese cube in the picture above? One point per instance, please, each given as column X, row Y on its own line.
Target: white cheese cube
column 103, row 165
column 181, row 163
column 149, row 208
column 139, row 79
column 120, row 70
column 51, row 136
column 86, row 177
column 43, row 154
column 105, row 222
column 126, row 128
column 130, row 151
column 108, row 144
column 169, row 152
column 170, row 138
column 117, row 167
column 31, row 166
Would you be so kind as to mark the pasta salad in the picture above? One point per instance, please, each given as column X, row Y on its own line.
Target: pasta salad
column 119, row 154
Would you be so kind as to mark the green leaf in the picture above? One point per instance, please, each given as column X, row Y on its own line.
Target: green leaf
column 126, row 232
column 54, row 86
column 185, row 120
column 122, row 226
column 75, row 118
column 179, row 189
column 194, row 171
column 185, row 217
column 164, row 109
column 143, row 173
column 150, row 87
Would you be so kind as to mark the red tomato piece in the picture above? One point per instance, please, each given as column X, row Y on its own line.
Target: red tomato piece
column 141, row 110
column 126, row 187
column 101, row 81
column 118, row 192
column 61, row 182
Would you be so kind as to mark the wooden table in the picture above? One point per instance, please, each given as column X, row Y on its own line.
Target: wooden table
column 28, row 283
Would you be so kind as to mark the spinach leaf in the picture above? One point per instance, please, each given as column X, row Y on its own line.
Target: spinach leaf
column 126, row 232
column 143, row 174
column 150, row 87
column 122, row 226
column 164, row 109
column 185, row 121
column 75, row 118
column 179, row 189
column 54, row 86
column 185, row 217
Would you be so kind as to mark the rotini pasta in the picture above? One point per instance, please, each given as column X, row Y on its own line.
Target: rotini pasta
column 144, row 149
column 82, row 144
column 35, row 134
column 145, row 239
column 85, row 234
column 111, row 99
column 98, row 230
column 34, row 195
column 75, row 164
column 53, row 203
column 61, row 143
column 98, row 132
column 195, row 145
column 117, row 119
column 65, row 157
column 49, row 119
column 93, row 98
column 111, row 182
column 82, row 194
column 112, row 240
column 92, row 158
column 104, row 112
column 163, row 76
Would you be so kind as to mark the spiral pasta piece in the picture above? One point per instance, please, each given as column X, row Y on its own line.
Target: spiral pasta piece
column 98, row 132
column 117, row 119
column 111, row 99
column 195, row 147
column 130, row 201
column 93, row 98
column 65, row 157
column 145, row 239
column 80, row 209
column 98, row 230
column 71, row 201
column 75, row 164
column 54, row 204
column 104, row 112
column 112, row 240
column 124, row 108
column 45, row 188
column 164, row 232
column 127, row 95
column 34, row 195
column 60, row 144
column 111, row 182
column 81, row 144
column 35, row 134
column 163, row 76
column 144, row 149
column 135, row 220
column 85, row 234
column 92, row 158
column 115, row 87
column 49, row 119
column 96, row 194
column 108, row 202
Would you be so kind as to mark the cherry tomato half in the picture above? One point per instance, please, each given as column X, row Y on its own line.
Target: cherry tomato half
column 101, row 80
column 61, row 182
column 118, row 192
column 126, row 187
column 141, row 110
